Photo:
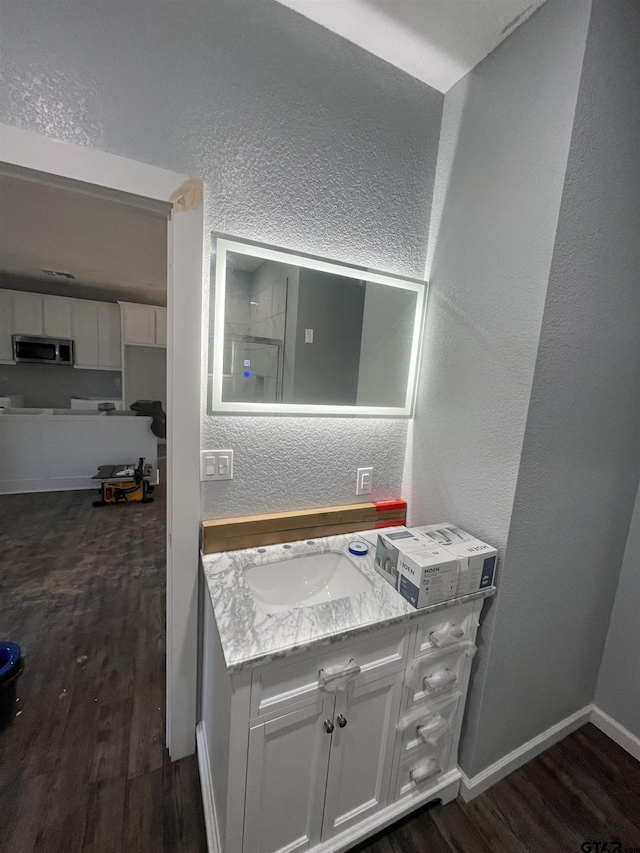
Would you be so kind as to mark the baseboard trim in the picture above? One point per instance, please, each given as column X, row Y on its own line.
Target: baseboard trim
column 206, row 787
column 623, row 737
column 471, row 787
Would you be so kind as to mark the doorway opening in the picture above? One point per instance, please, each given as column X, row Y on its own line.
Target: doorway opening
column 105, row 175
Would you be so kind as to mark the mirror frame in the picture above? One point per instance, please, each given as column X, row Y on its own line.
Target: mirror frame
column 224, row 244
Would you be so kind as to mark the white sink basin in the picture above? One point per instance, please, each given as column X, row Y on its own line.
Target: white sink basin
column 304, row 581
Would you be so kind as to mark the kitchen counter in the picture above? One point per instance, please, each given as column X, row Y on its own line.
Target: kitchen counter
column 249, row 636
column 43, row 450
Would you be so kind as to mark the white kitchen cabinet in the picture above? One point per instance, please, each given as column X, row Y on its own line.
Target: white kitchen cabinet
column 27, row 313
column 85, row 333
column 139, row 324
column 57, row 317
column 96, row 334
column 93, row 326
column 287, row 765
column 161, row 327
column 144, row 325
column 109, row 348
column 6, row 347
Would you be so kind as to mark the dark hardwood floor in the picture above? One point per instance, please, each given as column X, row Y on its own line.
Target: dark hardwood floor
column 583, row 789
column 84, row 768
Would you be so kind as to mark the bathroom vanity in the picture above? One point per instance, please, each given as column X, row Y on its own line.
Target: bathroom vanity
column 323, row 721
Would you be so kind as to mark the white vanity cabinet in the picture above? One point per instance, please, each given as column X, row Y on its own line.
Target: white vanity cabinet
column 288, row 765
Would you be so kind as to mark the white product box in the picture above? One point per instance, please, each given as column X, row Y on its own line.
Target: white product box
column 387, row 551
column 427, row 575
column 477, row 559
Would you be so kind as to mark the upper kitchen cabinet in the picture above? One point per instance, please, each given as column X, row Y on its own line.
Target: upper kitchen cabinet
column 27, row 313
column 144, row 325
column 57, row 317
column 109, row 348
column 96, row 335
column 6, row 350
column 85, row 333
column 94, row 327
column 161, row 327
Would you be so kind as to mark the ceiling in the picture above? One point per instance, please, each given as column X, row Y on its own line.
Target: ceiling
column 114, row 244
column 436, row 41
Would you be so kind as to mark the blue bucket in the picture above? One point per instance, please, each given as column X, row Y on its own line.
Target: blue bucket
column 9, row 657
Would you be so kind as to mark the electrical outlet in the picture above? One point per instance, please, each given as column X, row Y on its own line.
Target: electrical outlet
column 216, row 465
column 364, row 481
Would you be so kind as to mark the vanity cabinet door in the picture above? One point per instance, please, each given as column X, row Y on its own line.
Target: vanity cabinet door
column 286, row 778
column 361, row 761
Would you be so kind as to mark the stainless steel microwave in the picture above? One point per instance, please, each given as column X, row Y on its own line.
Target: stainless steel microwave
column 38, row 350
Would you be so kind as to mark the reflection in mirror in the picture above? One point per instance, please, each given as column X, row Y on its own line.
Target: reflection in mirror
column 295, row 335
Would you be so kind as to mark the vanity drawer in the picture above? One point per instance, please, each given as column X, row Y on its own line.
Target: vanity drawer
column 292, row 684
column 438, row 673
column 422, row 768
column 446, row 628
column 429, row 725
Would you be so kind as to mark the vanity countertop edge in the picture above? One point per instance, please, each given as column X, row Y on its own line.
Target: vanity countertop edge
column 250, row 637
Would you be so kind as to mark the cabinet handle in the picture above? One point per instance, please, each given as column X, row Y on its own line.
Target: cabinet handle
column 440, row 679
column 328, row 726
column 342, row 721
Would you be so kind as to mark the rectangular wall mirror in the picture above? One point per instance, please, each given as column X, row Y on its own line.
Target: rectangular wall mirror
column 295, row 334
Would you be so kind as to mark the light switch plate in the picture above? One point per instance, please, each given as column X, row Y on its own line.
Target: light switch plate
column 216, row 465
column 364, row 481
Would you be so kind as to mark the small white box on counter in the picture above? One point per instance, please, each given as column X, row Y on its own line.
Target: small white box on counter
column 477, row 559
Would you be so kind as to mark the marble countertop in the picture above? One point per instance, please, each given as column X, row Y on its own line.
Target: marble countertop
column 250, row 636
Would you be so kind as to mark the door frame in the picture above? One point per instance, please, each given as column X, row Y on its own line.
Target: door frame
column 185, row 246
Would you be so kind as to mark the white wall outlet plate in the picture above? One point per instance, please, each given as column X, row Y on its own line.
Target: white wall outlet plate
column 364, row 481
column 216, row 465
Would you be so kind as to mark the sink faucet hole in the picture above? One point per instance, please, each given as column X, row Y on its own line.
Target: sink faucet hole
column 311, row 542
column 286, row 546
column 262, row 550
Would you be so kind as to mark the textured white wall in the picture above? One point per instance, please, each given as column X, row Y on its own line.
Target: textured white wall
column 578, row 474
column 302, row 140
column 503, row 153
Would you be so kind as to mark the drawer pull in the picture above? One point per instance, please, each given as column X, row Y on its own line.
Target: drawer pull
column 432, row 730
column 446, row 635
column 440, row 679
column 421, row 772
column 334, row 679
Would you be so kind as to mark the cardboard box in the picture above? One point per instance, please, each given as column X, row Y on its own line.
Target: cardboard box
column 427, row 575
column 477, row 560
column 387, row 551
